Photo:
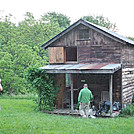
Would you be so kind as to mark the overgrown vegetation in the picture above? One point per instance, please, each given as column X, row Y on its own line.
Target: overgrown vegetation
column 129, row 110
column 44, row 84
column 17, row 116
column 20, row 47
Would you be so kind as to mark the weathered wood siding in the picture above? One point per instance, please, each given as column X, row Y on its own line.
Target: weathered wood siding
column 99, row 49
column 60, row 83
column 99, row 54
column 127, row 73
column 56, row 55
column 70, row 39
column 117, row 86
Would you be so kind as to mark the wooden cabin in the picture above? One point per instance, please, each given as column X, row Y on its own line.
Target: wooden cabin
column 88, row 53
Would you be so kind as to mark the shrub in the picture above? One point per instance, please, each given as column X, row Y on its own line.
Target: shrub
column 128, row 111
column 44, row 84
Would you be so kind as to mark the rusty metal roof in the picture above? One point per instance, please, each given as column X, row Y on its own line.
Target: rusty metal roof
column 83, row 68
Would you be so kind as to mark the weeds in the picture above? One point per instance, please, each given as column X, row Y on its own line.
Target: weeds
column 128, row 111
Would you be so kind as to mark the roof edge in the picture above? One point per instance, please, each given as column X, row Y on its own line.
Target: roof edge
column 98, row 28
column 46, row 44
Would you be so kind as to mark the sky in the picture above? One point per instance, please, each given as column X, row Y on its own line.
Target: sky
column 120, row 12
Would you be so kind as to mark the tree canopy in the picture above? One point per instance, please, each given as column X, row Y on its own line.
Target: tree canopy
column 20, row 47
column 101, row 21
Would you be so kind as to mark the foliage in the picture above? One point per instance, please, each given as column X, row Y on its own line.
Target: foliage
column 128, row 111
column 101, row 21
column 20, row 47
column 14, row 59
column 44, row 84
column 18, row 117
column 131, row 38
column 59, row 18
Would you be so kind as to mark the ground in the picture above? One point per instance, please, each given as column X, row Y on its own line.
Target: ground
column 19, row 116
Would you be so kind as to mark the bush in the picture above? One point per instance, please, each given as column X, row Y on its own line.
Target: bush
column 44, row 84
column 128, row 111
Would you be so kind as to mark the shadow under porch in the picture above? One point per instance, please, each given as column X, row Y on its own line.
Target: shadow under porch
column 70, row 85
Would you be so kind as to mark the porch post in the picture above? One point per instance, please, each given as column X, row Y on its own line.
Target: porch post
column 111, row 92
column 72, row 104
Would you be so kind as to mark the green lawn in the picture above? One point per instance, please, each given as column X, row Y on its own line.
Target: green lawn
column 18, row 116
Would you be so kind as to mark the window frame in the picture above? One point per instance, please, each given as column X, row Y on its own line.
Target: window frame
column 84, row 34
column 71, row 61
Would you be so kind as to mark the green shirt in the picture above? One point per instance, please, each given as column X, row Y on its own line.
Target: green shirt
column 85, row 96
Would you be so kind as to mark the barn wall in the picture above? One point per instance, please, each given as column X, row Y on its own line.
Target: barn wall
column 98, row 49
column 127, row 73
column 101, row 49
column 117, row 86
column 99, row 54
column 70, row 39
column 60, row 83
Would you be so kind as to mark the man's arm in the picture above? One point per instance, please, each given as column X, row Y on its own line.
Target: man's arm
column 91, row 96
column 79, row 97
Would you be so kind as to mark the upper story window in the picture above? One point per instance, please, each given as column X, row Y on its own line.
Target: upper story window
column 71, row 54
column 83, row 34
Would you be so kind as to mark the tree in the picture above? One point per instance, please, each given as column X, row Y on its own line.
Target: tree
column 59, row 18
column 101, row 21
column 20, row 47
column 35, row 32
column 14, row 59
column 131, row 38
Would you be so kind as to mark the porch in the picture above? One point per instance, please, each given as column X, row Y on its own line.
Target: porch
column 104, row 80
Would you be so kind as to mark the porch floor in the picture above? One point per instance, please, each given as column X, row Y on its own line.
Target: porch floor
column 63, row 112
column 70, row 112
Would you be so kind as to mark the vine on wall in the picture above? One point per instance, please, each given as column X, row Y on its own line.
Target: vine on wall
column 44, row 85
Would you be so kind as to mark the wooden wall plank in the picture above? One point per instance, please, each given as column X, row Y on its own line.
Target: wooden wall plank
column 56, row 55
column 127, row 82
column 60, row 83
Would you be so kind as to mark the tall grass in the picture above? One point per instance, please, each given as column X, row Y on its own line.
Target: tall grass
column 18, row 116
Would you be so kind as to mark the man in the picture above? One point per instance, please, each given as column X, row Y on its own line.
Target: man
column 84, row 98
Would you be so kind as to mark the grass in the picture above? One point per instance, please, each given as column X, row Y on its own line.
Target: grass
column 18, row 116
column 28, row 96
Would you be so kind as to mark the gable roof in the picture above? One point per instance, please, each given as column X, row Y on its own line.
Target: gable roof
column 97, row 28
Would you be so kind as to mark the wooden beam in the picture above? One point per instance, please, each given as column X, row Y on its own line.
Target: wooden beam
column 72, row 99
column 111, row 93
column 91, row 71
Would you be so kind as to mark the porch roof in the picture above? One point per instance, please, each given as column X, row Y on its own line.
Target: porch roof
column 95, row 68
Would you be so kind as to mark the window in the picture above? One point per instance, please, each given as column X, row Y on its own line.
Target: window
column 71, row 54
column 83, row 34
